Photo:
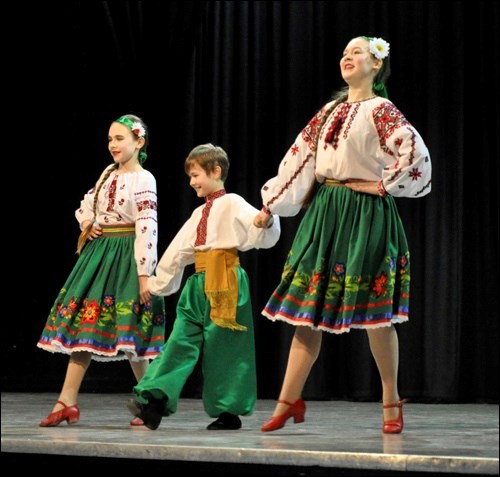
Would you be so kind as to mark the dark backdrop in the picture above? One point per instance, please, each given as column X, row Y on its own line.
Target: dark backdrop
column 248, row 76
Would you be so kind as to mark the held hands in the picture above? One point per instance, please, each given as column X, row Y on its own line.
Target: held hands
column 364, row 186
column 144, row 293
column 262, row 220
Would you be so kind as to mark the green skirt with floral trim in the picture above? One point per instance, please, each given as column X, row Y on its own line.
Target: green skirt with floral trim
column 349, row 265
column 98, row 309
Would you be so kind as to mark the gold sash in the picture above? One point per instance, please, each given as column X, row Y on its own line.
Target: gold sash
column 221, row 285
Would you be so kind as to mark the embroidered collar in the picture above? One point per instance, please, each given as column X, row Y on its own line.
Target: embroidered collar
column 215, row 195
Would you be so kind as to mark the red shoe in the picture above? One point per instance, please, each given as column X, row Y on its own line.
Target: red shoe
column 70, row 414
column 296, row 410
column 136, row 421
column 395, row 426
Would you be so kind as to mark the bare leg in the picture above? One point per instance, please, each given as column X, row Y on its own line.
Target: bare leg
column 138, row 367
column 384, row 346
column 77, row 367
column 304, row 351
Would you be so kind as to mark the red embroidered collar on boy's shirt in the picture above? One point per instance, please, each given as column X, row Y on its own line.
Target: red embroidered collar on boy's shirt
column 201, row 230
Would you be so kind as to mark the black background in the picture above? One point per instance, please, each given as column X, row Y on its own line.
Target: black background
column 248, row 76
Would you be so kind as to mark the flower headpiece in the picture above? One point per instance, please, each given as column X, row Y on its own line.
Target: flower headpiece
column 138, row 129
column 379, row 48
column 135, row 126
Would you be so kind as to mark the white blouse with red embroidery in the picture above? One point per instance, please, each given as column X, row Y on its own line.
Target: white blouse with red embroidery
column 228, row 224
column 369, row 140
column 125, row 199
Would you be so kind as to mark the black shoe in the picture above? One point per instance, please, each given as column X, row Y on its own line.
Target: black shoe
column 151, row 413
column 226, row 421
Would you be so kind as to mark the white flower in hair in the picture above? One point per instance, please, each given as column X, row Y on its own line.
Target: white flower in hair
column 379, row 48
column 138, row 129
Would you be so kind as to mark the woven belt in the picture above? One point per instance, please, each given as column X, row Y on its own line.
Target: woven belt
column 118, row 230
column 337, row 182
column 334, row 182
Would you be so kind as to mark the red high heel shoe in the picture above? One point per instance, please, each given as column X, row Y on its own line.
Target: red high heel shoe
column 296, row 410
column 395, row 426
column 70, row 414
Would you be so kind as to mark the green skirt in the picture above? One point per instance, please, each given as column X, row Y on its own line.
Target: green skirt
column 98, row 309
column 349, row 265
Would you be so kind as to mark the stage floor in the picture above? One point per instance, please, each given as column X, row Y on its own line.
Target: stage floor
column 337, row 438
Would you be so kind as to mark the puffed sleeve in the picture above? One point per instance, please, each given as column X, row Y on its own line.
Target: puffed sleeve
column 249, row 236
column 409, row 173
column 284, row 194
column 146, row 224
column 180, row 253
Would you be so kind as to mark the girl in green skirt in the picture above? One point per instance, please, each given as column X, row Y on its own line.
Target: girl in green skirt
column 349, row 265
column 104, row 311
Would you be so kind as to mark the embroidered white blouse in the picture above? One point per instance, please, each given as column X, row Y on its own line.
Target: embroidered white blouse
column 369, row 140
column 124, row 199
column 227, row 223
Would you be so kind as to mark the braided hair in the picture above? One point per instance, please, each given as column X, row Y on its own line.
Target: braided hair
column 85, row 235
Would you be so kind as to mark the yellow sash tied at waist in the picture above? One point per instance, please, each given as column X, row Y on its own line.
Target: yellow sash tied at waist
column 221, row 285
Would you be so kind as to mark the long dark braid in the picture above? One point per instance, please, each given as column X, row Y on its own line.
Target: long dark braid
column 84, row 236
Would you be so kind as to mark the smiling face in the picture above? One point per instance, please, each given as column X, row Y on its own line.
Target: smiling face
column 123, row 144
column 357, row 65
column 204, row 184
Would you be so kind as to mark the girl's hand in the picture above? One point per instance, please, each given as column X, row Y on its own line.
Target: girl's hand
column 144, row 293
column 365, row 187
column 261, row 220
column 96, row 232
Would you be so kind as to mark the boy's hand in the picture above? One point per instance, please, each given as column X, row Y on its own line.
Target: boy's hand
column 261, row 219
column 144, row 293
